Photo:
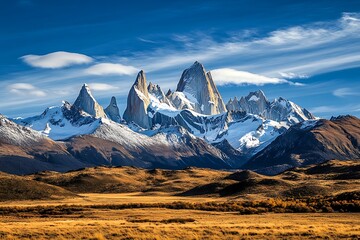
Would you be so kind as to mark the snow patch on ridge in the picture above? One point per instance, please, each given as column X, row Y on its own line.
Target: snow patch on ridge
column 53, row 124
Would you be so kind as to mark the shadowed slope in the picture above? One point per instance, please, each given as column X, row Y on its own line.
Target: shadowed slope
column 338, row 138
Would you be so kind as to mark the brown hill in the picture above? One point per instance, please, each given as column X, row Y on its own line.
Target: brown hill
column 324, row 179
column 14, row 187
column 130, row 179
column 328, row 178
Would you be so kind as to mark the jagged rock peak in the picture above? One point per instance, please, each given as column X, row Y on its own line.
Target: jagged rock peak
column 255, row 103
column 137, row 102
column 86, row 102
column 199, row 87
column 140, row 82
column 280, row 109
column 153, row 87
column 195, row 73
column 155, row 91
column 112, row 111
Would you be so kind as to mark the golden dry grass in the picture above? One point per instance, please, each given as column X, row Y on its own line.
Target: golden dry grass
column 160, row 223
column 173, row 224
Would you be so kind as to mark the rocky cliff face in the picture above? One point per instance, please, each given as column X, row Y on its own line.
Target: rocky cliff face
column 137, row 102
column 112, row 111
column 198, row 87
column 86, row 102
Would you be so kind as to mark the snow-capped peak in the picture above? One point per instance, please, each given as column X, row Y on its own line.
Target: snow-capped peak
column 61, row 123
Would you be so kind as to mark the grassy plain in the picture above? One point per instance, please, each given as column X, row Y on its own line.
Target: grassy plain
column 90, row 216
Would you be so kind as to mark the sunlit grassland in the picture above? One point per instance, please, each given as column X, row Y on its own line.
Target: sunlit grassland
column 115, row 216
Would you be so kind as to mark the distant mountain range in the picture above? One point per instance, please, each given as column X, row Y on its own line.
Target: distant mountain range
column 191, row 126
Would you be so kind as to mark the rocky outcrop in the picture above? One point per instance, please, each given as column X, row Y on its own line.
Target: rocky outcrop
column 137, row 102
column 278, row 110
column 112, row 111
column 199, row 90
column 86, row 102
column 155, row 91
column 181, row 102
column 233, row 105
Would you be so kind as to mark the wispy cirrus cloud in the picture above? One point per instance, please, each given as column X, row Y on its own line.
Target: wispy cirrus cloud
column 146, row 40
column 343, row 92
column 291, row 75
column 56, row 59
column 346, row 109
column 26, row 89
column 297, row 51
column 111, row 69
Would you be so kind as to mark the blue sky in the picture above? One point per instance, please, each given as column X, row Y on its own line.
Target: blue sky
column 305, row 51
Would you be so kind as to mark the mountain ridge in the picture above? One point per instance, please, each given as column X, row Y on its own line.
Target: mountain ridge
column 171, row 130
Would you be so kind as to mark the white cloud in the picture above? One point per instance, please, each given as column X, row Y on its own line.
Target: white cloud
column 111, row 69
column 291, row 75
column 101, row 86
column 343, row 92
column 26, row 89
column 56, row 59
column 223, row 76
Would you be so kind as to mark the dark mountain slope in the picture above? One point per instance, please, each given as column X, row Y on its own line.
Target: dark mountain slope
column 304, row 144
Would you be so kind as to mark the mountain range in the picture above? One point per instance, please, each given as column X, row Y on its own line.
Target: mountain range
column 191, row 126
